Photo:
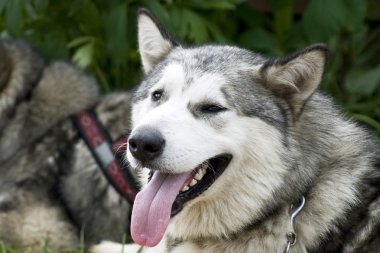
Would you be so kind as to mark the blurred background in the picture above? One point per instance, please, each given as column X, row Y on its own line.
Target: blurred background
column 100, row 36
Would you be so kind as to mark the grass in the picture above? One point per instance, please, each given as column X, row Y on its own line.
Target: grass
column 45, row 248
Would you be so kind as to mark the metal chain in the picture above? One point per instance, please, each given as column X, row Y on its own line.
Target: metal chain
column 294, row 210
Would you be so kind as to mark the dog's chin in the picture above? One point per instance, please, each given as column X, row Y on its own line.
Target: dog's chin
column 205, row 175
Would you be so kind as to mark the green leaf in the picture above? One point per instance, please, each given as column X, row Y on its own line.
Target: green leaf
column 79, row 41
column 89, row 18
column 250, row 16
column 53, row 45
column 352, row 13
column 14, row 17
column 75, row 6
column 319, row 20
column 41, row 4
column 175, row 19
column 115, row 26
column 3, row 3
column 323, row 18
column 29, row 10
column 2, row 248
column 215, row 32
column 363, row 81
column 296, row 39
column 158, row 10
column 84, row 55
column 212, row 4
column 258, row 39
column 193, row 26
column 283, row 18
column 7, row 249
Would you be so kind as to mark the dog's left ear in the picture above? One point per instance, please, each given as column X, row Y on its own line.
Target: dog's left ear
column 296, row 77
column 154, row 40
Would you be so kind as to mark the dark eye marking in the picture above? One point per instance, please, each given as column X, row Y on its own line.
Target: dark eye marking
column 157, row 95
column 212, row 108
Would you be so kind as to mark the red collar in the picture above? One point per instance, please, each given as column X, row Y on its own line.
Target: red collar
column 108, row 154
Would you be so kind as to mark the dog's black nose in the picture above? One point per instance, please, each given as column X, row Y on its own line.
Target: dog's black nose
column 146, row 143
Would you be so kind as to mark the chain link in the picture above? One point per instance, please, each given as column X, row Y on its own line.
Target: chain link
column 294, row 210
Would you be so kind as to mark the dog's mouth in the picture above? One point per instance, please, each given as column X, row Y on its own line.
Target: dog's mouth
column 205, row 176
column 165, row 196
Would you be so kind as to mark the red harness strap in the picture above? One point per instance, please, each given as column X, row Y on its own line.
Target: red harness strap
column 108, row 154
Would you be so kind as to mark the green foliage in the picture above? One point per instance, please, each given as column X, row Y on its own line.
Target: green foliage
column 44, row 246
column 100, row 36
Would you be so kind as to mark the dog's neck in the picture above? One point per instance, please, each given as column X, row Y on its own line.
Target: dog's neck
column 271, row 235
column 279, row 232
column 312, row 226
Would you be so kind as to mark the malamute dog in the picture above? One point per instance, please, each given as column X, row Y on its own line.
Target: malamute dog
column 51, row 189
column 245, row 154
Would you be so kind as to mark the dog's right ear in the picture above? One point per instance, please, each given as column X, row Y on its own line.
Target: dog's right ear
column 153, row 39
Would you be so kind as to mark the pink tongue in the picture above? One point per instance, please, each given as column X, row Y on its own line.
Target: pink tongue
column 152, row 207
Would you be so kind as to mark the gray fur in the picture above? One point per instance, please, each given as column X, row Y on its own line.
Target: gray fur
column 327, row 157
column 50, row 186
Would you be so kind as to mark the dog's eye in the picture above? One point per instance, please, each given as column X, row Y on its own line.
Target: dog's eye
column 212, row 108
column 156, row 95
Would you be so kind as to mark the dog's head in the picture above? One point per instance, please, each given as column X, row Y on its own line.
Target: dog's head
column 211, row 124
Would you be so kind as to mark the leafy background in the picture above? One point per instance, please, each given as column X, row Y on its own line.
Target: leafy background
column 100, row 36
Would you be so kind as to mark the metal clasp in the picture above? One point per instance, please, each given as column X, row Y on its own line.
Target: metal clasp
column 294, row 210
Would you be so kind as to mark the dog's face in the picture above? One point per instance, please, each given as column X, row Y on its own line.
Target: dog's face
column 210, row 123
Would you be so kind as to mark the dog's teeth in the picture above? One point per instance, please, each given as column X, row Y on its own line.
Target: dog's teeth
column 193, row 182
column 185, row 188
column 199, row 175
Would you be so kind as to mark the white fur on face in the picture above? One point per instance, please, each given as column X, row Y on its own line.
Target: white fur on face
column 173, row 75
column 254, row 173
column 190, row 140
column 184, row 135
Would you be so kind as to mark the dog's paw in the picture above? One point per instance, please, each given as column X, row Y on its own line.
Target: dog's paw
column 113, row 247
